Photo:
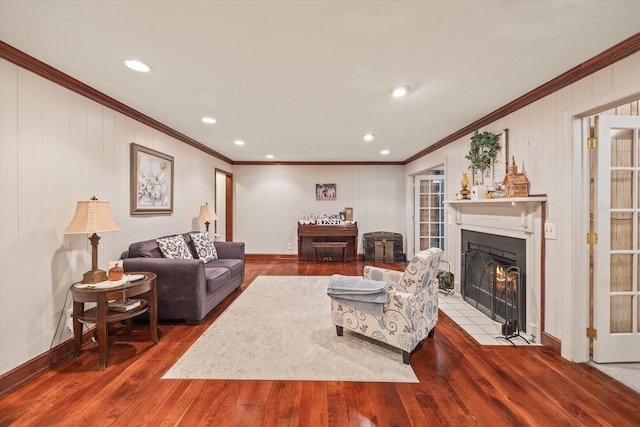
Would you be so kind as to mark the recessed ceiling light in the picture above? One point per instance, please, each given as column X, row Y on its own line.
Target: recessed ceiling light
column 269, row 156
column 137, row 65
column 238, row 142
column 400, row 91
column 210, row 120
column 384, row 152
column 368, row 137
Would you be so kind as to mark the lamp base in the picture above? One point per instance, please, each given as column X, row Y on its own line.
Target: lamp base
column 94, row 276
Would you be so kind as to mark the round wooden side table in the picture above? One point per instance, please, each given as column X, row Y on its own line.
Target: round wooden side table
column 101, row 315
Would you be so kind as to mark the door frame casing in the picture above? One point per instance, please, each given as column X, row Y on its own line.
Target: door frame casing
column 228, row 201
column 578, row 350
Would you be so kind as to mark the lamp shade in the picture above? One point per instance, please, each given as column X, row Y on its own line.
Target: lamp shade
column 207, row 213
column 92, row 216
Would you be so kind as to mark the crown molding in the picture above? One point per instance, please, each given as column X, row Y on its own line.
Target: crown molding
column 308, row 163
column 610, row 56
column 38, row 67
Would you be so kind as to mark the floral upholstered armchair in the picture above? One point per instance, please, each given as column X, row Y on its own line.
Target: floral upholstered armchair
column 411, row 313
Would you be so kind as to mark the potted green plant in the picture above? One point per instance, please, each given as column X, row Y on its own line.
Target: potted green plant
column 483, row 151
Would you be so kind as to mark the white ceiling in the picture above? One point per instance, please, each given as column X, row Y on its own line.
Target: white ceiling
column 303, row 80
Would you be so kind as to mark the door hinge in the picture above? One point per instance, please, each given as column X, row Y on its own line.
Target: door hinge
column 592, row 239
column 592, row 143
column 592, row 333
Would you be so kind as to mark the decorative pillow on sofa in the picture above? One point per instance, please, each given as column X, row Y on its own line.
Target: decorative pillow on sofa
column 204, row 246
column 174, row 247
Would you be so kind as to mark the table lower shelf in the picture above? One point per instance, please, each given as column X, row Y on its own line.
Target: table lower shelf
column 91, row 315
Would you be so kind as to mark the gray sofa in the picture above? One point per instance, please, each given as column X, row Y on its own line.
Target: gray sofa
column 188, row 289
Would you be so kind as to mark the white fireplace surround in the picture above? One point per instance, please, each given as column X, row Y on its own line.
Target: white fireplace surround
column 520, row 218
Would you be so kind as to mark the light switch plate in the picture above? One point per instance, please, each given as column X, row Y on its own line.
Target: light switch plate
column 550, row 230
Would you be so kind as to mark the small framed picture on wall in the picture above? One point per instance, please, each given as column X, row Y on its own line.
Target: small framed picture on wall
column 326, row 191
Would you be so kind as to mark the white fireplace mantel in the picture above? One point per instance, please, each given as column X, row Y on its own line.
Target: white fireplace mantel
column 513, row 201
column 498, row 212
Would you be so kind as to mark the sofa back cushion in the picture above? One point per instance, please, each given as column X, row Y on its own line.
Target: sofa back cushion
column 145, row 249
column 150, row 249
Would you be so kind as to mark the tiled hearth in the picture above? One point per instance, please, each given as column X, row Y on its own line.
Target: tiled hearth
column 484, row 330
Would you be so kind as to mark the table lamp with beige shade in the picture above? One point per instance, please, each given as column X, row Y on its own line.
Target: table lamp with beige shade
column 207, row 215
column 92, row 217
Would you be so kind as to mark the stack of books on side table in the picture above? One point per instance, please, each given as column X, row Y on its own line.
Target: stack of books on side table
column 124, row 304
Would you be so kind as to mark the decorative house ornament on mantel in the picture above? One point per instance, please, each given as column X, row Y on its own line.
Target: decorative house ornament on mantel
column 515, row 184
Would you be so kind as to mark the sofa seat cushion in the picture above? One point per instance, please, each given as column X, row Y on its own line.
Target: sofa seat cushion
column 236, row 266
column 216, row 277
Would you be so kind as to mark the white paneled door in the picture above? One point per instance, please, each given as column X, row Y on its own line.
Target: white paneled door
column 429, row 212
column 617, row 251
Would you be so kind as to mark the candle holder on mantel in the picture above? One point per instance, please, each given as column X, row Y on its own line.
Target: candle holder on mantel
column 464, row 193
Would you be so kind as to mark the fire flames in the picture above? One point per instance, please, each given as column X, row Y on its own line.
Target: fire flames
column 501, row 276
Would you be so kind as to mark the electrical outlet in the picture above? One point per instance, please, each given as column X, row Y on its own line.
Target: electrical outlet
column 290, row 246
column 70, row 320
column 550, row 230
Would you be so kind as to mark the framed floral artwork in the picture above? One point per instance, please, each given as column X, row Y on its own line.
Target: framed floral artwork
column 151, row 181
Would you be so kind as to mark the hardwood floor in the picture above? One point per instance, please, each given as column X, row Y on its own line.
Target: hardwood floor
column 461, row 384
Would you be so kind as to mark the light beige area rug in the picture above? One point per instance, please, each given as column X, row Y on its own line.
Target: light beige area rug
column 280, row 328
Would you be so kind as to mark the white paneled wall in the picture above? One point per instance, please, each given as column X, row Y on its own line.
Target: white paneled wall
column 269, row 200
column 57, row 147
column 540, row 137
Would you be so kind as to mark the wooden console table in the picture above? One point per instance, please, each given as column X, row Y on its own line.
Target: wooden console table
column 334, row 240
column 101, row 315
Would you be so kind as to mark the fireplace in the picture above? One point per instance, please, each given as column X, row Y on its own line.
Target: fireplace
column 511, row 231
column 493, row 278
